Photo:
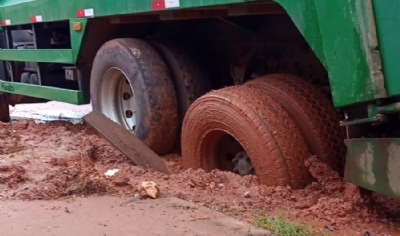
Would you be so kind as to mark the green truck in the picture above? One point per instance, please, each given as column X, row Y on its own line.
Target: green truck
column 254, row 87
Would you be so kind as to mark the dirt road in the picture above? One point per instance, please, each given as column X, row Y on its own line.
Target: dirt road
column 57, row 160
column 116, row 216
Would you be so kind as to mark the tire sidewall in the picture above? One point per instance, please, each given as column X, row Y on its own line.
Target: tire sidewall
column 121, row 57
column 241, row 128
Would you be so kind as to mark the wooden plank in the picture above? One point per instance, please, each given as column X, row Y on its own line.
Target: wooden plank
column 126, row 142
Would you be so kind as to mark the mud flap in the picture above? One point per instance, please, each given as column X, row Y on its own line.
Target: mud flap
column 373, row 163
column 126, row 142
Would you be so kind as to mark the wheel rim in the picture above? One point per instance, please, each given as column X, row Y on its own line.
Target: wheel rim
column 220, row 150
column 117, row 99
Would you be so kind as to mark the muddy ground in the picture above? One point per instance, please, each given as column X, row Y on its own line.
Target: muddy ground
column 60, row 160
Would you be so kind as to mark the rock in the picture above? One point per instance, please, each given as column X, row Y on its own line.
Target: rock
column 149, row 189
column 120, row 182
column 247, row 194
column 329, row 227
column 212, row 185
column 366, row 233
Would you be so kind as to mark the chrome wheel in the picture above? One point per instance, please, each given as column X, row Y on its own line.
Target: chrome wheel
column 117, row 99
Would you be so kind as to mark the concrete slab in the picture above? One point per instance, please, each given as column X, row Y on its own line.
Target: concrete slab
column 107, row 216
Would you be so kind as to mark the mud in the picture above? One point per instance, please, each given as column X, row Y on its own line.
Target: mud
column 61, row 160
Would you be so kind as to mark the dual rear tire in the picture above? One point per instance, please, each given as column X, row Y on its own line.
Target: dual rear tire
column 261, row 126
column 279, row 120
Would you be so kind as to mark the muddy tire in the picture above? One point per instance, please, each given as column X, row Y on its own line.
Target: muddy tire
column 189, row 76
column 262, row 127
column 313, row 113
column 4, row 108
column 131, row 84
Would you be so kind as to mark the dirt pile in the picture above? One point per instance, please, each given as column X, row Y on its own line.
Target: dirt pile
column 10, row 141
column 56, row 159
column 46, row 162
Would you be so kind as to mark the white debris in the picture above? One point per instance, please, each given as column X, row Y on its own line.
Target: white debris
column 110, row 173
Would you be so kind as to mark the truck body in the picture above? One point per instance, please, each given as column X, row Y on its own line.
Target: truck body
column 346, row 48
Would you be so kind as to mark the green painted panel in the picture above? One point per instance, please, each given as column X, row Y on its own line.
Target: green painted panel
column 76, row 37
column 374, row 164
column 387, row 15
column 45, row 92
column 38, row 55
column 338, row 32
column 19, row 11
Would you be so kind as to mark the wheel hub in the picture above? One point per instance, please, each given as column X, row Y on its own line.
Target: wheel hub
column 118, row 99
column 243, row 165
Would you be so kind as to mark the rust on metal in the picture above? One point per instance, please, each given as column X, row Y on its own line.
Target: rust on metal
column 126, row 142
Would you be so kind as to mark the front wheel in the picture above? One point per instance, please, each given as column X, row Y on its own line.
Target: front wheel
column 131, row 85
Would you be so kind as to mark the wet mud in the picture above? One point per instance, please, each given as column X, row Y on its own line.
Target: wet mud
column 61, row 160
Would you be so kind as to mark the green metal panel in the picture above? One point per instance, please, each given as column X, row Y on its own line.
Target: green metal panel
column 45, row 92
column 67, row 56
column 76, row 37
column 387, row 14
column 19, row 11
column 38, row 55
column 341, row 33
column 374, row 164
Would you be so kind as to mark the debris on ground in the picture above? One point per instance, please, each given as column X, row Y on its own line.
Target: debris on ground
column 149, row 189
column 59, row 159
column 329, row 227
column 110, row 173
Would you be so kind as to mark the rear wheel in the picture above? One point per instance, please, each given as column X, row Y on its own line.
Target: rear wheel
column 131, row 85
column 189, row 76
column 313, row 113
column 261, row 126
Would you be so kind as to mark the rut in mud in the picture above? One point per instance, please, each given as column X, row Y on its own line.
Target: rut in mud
column 57, row 159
